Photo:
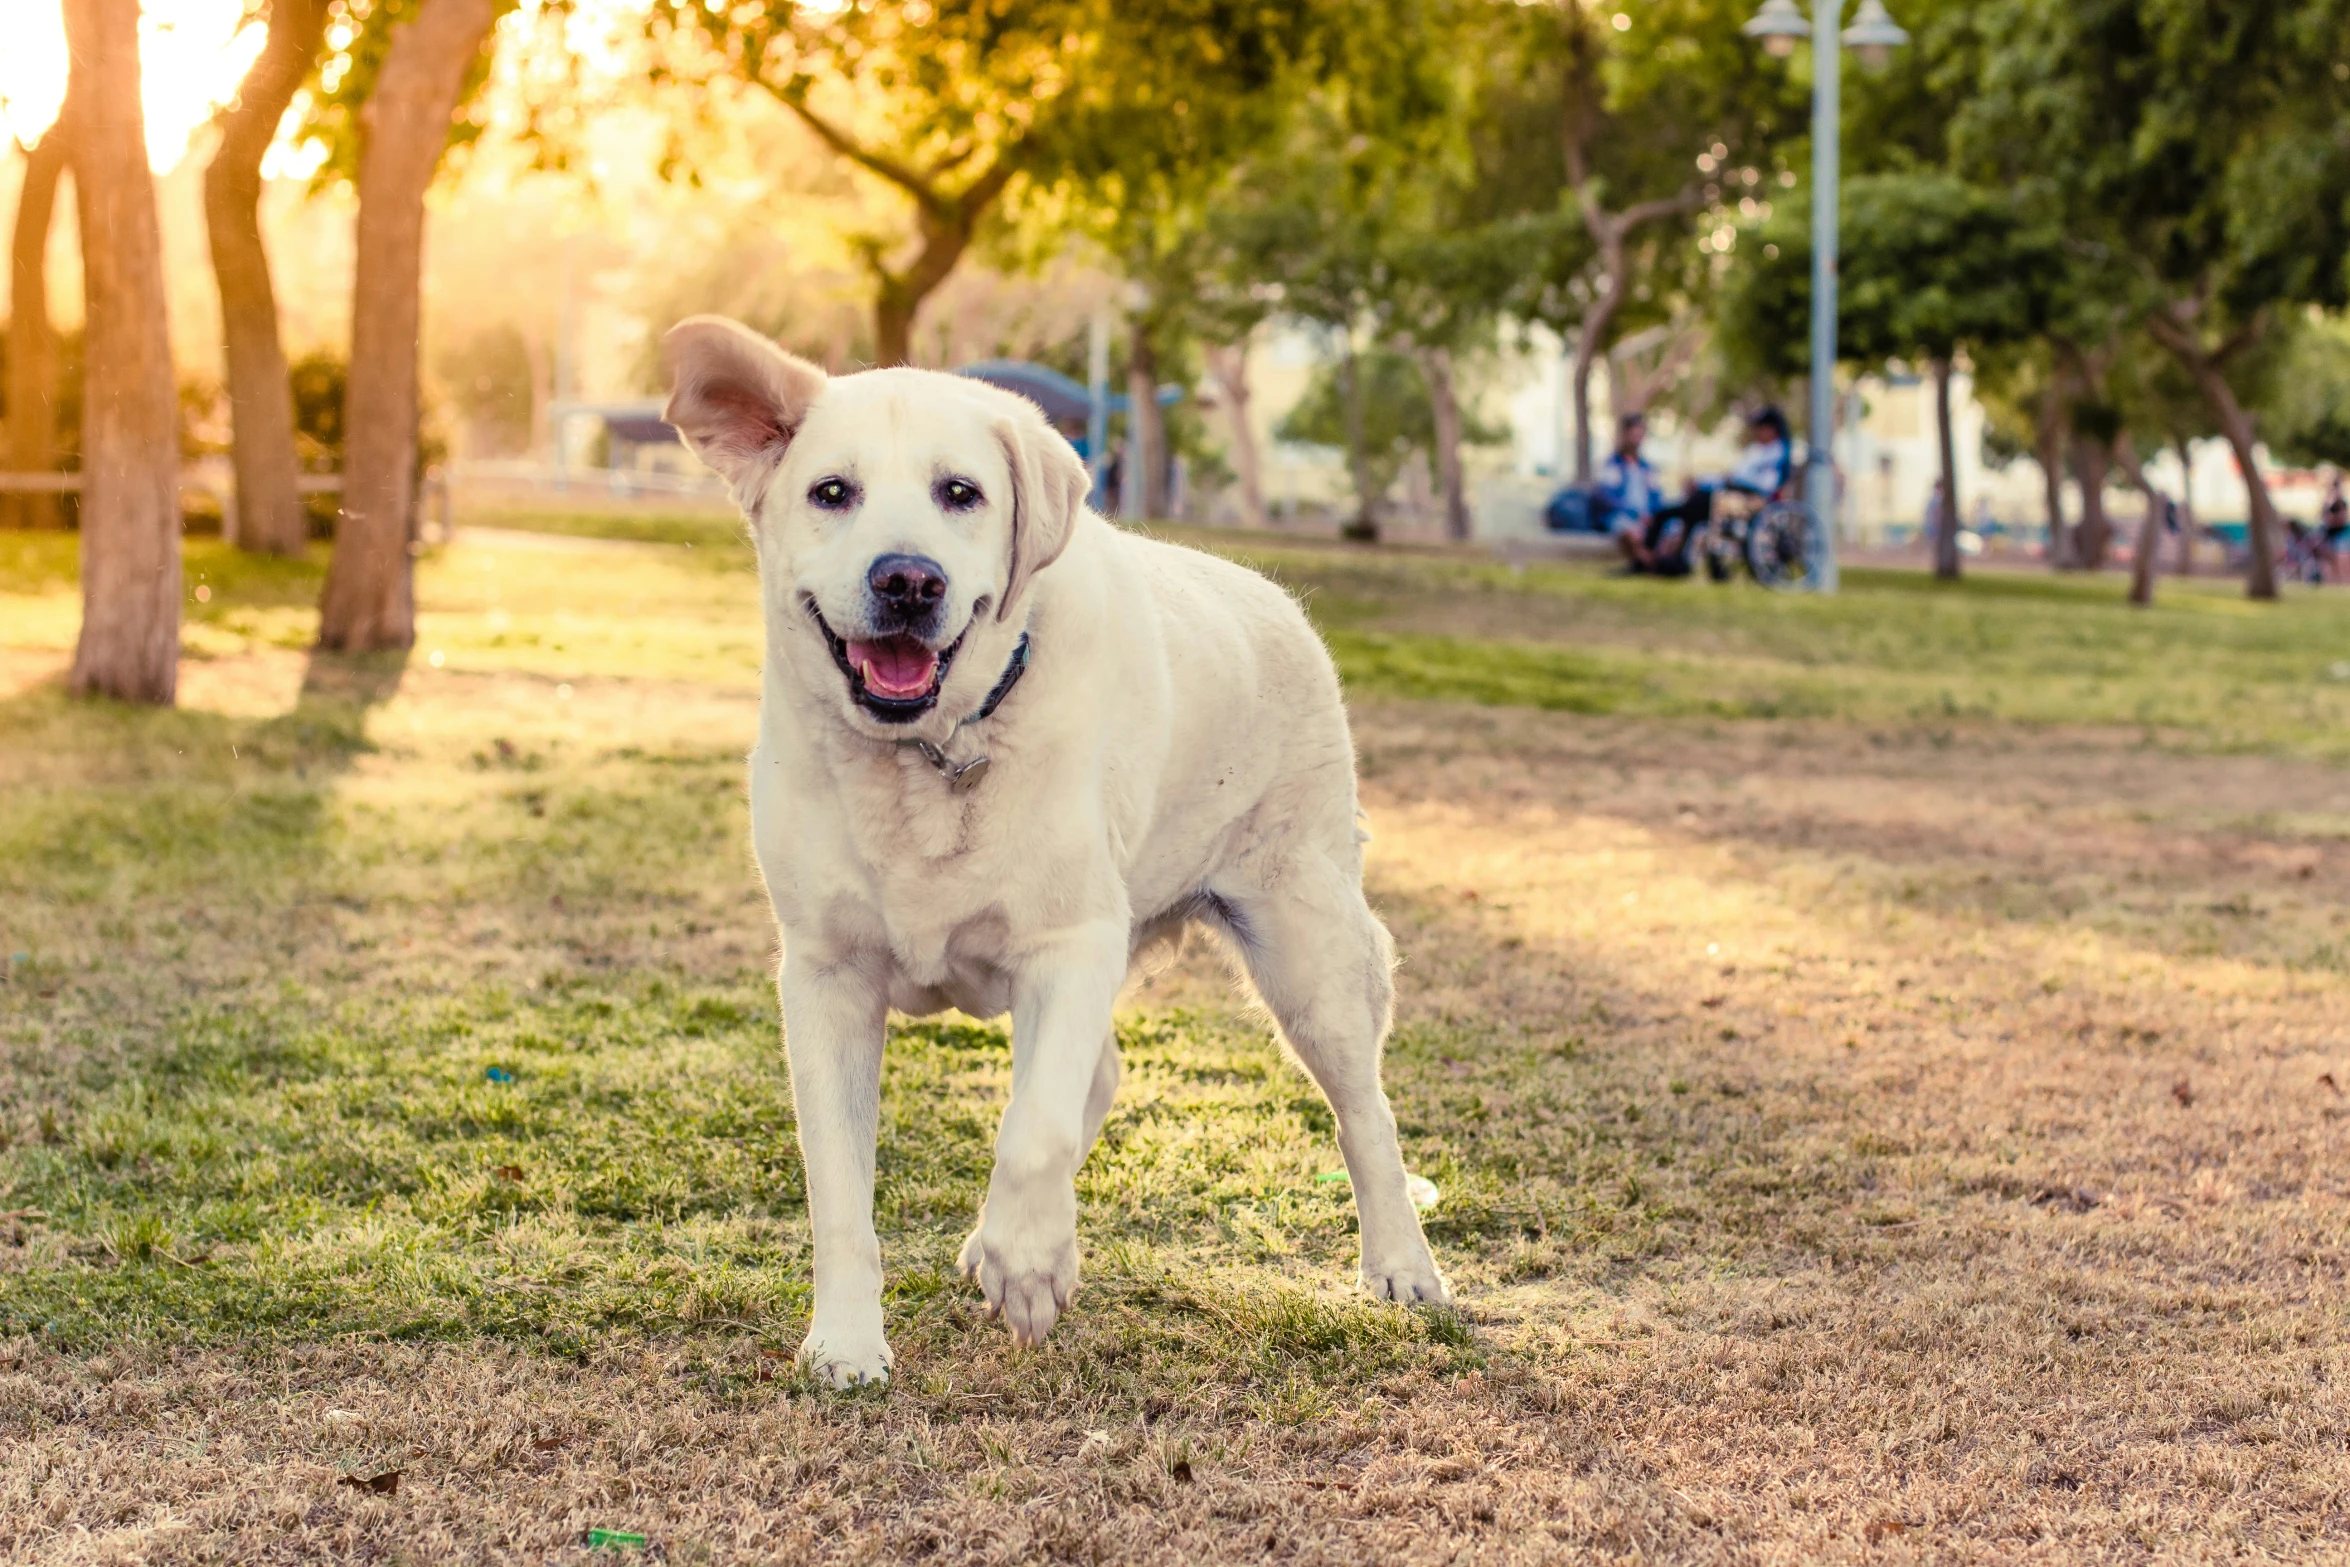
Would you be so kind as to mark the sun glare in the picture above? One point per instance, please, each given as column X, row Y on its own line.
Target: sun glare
column 192, row 53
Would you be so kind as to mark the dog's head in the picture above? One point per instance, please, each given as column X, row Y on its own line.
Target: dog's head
column 899, row 514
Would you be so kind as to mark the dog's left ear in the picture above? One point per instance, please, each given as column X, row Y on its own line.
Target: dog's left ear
column 736, row 398
column 1048, row 493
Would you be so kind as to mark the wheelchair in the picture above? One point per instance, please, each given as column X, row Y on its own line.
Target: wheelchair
column 1774, row 539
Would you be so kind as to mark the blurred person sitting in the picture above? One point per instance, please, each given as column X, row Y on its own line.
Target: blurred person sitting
column 1626, row 492
column 1762, row 471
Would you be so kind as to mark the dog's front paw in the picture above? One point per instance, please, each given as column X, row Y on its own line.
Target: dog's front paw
column 844, row 1360
column 1028, row 1272
column 1408, row 1275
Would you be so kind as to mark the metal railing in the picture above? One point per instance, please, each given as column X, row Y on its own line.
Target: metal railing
column 432, row 498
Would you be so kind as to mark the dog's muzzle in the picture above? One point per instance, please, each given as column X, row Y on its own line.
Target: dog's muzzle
column 896, row 677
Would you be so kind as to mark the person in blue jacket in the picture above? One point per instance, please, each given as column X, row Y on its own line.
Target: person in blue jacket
column 1625, row 490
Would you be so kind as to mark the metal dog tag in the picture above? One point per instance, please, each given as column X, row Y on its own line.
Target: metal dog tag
column 964, row 779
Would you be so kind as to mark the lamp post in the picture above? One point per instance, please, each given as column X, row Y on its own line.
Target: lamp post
column 1873, row 36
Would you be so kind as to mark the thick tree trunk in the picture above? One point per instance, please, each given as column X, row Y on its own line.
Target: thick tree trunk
column 2203, row 368
column 31, row 345
column 130, row 510
column 1146, row 437
column 1228, row 363
column 2048, row 426
column 269, row 513
column 1444, row 405
column 1946, row 530
column 893, row 324
column 898, row 296
column 1365, row 527
column 2092, row 461
column 370, row 599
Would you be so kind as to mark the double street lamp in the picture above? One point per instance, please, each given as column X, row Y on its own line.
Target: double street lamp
column 1873, row 36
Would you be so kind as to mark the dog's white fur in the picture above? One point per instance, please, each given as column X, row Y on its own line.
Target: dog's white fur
column 1176, row 751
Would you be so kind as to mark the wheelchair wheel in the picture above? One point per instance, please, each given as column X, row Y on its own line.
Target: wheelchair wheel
column 1779, row 546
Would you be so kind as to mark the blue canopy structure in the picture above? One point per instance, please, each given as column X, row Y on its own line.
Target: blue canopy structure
column 1063, row 398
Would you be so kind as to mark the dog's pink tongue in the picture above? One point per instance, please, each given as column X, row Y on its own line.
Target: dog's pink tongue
column 894, row 667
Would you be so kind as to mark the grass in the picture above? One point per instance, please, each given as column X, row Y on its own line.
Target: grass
column 1865, row 1128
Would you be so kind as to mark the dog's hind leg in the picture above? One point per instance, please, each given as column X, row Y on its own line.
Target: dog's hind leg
column 1321, row 960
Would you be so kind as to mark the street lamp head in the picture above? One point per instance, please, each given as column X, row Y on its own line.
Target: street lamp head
column 1874, row 35
column 1781, row 26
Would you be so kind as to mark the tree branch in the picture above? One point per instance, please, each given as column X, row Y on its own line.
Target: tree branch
column 911, row 181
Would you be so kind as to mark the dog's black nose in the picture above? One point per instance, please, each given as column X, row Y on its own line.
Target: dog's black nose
column 909, row 584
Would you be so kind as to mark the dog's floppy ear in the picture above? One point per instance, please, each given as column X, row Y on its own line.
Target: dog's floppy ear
column 1049, row 484
column 735, row 397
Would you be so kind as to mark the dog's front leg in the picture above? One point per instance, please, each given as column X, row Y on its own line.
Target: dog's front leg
column 833, row 1019
column 1024, row 1252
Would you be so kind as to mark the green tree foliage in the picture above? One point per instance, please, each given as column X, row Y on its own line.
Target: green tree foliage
column 358, row 37
column 959, row 104
column 2306, row 415
column 1395, row 413
column 2193, row 150
column 1646, row 123
column 1930, row 265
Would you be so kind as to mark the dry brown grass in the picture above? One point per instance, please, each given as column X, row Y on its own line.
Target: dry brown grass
column 1889, row 1143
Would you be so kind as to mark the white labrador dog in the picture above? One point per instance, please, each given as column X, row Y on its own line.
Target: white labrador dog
column 1003, row 747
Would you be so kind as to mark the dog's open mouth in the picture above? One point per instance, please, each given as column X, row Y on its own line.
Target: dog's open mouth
column 895, row 678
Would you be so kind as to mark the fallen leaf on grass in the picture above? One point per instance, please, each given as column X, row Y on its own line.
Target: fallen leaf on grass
column 509, row 1172
column 1885, row 1528
column 385, row 1484
column 546, row 1444
column 2072, row 1199
column 2184, row 1092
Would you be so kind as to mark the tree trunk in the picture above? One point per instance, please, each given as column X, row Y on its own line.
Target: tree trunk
column 1946, row 530
column 2049, row 427
column 1228, row 363
column 1444, row 405
column 944, row 221
column 130, row 511
column 893, row 324
column 2143, row 559
column 269, row 513
column 2186, row 567
column 2234, row 423
column 1365, row 527
column 2091, row 462
column 31, row 345
column 1146, row 439
column 370, row 599
column 1594, row 332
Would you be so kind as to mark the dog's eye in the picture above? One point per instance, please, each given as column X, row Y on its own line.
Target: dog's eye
column 958, row 494
column 831, row 494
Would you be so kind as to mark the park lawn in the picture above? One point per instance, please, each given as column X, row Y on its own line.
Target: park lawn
column 1883, row 1061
